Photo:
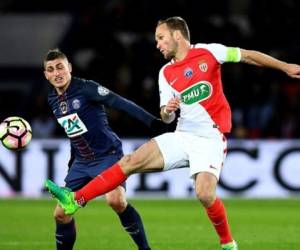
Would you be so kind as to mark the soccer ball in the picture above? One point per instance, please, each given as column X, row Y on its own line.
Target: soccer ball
column 15, row 133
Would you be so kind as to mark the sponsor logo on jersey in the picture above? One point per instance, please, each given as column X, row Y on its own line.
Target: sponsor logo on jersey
column 76, row 104
column 203, row 66
column 72, row 125
column 188, row 72
column 103, row 91
column 63, row 107
column 196, row 93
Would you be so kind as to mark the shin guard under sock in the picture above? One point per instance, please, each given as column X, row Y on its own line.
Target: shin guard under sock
column 218, row 217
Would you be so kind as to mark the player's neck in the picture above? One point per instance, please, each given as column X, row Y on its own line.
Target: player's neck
column 63, row 89
column 183, row 50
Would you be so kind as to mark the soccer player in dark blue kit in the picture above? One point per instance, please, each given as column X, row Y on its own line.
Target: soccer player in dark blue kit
column 78, row 106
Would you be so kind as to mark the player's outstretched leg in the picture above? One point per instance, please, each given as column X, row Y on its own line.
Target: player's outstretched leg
column 64, row 197
column 101, row 184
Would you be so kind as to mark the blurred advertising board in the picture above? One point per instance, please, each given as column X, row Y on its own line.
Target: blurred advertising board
column 253, row 169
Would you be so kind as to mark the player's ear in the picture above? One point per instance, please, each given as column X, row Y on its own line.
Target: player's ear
column 177, row 34
column 45, row 73
column 70, row 67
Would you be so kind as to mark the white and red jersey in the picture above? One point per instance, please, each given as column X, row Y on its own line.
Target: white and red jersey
column 197, row 80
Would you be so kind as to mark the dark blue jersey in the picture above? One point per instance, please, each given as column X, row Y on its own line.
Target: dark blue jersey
column 80, row 110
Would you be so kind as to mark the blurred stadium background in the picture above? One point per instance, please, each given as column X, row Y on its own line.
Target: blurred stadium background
column 112, row 42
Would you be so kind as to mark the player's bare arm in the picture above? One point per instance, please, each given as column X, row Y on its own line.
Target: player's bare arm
column 168, row 112
column 263, row 60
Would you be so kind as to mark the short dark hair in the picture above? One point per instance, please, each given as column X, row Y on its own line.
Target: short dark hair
column 53, row 54
column 176, row 23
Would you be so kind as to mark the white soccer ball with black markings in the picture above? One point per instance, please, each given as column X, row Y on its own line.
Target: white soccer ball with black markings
column 15, row 133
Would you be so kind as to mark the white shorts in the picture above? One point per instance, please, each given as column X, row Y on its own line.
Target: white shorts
column 200, row 154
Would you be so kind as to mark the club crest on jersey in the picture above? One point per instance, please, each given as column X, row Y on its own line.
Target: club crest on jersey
column 63, row 107
column 203, row 66
column 188, row 72
column 72, row 125
column 197, row 93
column 103, row 91
column 76, row 104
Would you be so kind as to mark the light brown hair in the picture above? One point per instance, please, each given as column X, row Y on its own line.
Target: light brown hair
column 176, row 23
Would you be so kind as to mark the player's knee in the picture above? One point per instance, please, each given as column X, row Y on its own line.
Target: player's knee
column 61, row 217
column 131, row 162
column 117, row 203
column 128, row 160
column 206, row 197
column 117, row 200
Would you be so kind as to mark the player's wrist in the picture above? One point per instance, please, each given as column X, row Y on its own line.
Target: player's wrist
column 168, row 117
column 166, row 112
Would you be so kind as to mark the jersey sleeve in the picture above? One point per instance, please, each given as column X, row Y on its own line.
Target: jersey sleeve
column 165, row 91
column 98, row 94
column 222, row 53
column 95, row 92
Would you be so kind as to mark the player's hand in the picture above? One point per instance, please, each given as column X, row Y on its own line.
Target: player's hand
column 172, row 105
column 293, row 70
column 158, row 127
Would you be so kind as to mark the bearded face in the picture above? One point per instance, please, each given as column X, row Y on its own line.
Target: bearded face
column 166, row 42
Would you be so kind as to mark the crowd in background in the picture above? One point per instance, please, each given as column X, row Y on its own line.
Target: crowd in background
column 112, row 42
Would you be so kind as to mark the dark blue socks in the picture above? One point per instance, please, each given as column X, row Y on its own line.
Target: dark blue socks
column 130, row 219
column 65, row 235
column 133, row 224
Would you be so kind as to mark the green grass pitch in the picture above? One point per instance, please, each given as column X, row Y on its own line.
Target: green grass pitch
column 170, row 225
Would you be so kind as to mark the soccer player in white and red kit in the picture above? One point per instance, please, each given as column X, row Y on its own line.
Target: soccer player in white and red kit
column 190, row 82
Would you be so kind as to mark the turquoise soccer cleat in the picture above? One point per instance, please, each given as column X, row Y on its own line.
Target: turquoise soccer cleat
column 230, row 246
column 64, row 197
